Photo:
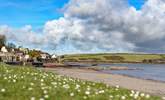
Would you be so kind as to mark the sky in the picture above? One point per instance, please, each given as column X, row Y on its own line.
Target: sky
column 17, row 13
column 85, row 26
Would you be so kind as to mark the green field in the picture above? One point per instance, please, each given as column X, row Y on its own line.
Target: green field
column 27, row 83
column 113, row 57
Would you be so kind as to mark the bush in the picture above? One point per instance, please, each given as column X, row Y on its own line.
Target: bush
column 70, row 60
column 114, row 58
column 89, row 59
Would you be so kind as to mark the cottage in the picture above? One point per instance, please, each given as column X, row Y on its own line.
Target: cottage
column 54, row 56
column 5, row 57
column 3, row 49
column 45, row 55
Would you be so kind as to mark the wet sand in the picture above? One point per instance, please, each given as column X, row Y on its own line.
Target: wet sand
column 147, row 86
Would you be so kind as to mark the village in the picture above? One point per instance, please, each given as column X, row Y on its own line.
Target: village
column 18, row 55
column 24, row 56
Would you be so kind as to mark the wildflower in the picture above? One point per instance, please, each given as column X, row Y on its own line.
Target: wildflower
column 147, row 96
column 79, row 90
column 42, row 84
column 111, row 96
column 77, row 86
column 116, row 89
column 53, row 83
column 71, row 94
column 102, row 91
column 66, row 86
column 42, row 80
column 88, row 88
column 137, row 92
column 85, row 97
column 132, row 91
column 142, row 94
column 46, row 96
column 30, row 89
column 5, row 78
column 117, row 86
column 87, row 92
column 131, row 95
column 135, row 96
column 14, row 81
column 123, row 97
column 45, row 92
column 41, row 98
column 163, row 98
column 32, row 98
column 3, row 90
column 31, row 84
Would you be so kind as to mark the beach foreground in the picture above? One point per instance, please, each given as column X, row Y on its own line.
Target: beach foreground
column 147, row 86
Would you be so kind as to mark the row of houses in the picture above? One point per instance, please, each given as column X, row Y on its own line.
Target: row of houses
column 21, row 54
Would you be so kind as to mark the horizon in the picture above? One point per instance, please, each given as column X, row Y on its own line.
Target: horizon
column 85, row 26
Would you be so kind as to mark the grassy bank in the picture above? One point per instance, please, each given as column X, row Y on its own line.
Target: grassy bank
column 25, row 83
column 113, row 57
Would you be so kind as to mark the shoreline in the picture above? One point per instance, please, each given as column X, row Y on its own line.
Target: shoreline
column 138, row 77
column 100, row 71
column 132, row 83
column 109, row 62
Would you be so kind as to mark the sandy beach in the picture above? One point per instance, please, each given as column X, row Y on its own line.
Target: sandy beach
column 147, row 86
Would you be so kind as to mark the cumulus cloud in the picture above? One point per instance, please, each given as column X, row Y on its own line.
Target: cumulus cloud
column 23, row 36
column 104, row 26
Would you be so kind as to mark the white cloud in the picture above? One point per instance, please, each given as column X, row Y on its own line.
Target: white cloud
column 102, row 25
column 23, row 36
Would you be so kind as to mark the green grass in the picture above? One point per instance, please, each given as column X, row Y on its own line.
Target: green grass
column 27, row 83
column 101, row 57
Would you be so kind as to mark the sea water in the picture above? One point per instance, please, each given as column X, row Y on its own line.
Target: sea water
column 147, row 71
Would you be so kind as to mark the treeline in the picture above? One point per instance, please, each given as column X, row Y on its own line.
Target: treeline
column 3, row 42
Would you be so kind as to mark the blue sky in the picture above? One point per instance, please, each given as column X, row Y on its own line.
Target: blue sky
column 136, row 3
column 17, row 13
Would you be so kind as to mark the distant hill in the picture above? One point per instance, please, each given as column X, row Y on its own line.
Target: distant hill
column 113, row 57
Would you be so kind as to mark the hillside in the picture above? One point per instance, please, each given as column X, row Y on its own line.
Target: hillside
column 113, row 57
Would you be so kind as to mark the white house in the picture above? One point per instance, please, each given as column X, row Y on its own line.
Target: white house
column 4, row 50
column 27, row 57
column 54, row 56
column 45, row 55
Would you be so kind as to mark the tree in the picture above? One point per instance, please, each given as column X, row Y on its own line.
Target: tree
column 34, row 53
column 11, row 45
column 2, row 40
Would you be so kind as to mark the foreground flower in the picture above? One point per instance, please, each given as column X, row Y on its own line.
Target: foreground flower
column 147, row 96
column 3, row 90
column 142, row 94
column 41, row 98
column 87, row 92
column 123, row 97
column 32, row 98
column 71, row 94
column 163, row 98
column 46, row 96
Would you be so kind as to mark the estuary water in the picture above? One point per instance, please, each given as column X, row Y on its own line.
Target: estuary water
column 148, row 71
